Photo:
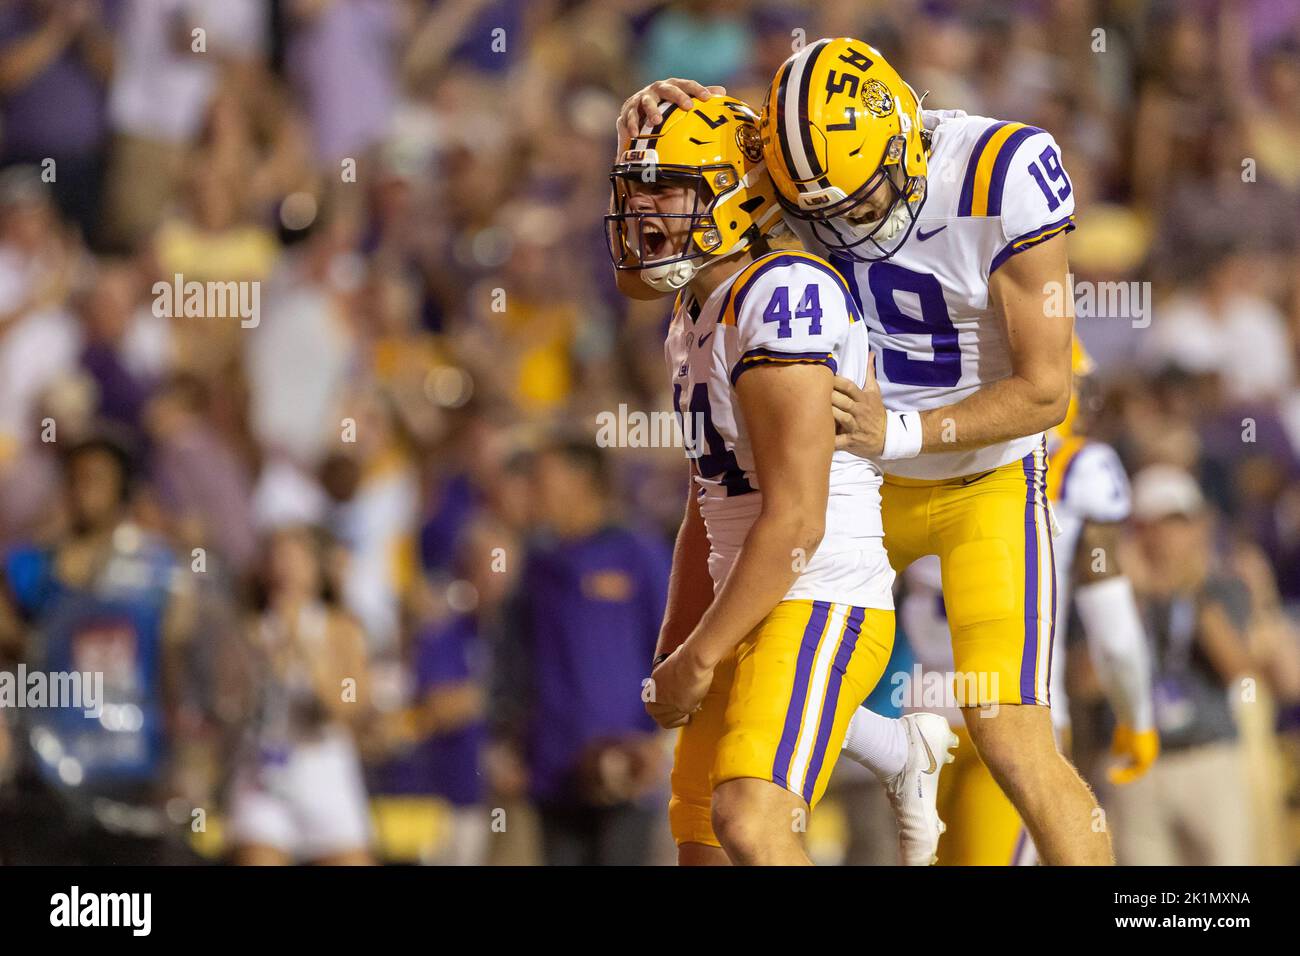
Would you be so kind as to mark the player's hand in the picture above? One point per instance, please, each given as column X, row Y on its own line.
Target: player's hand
column 643, row 106
column 859, row 415
column 1137, row 751
column 678, row 686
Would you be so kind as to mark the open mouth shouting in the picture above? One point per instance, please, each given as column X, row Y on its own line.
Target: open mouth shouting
column 654, row 241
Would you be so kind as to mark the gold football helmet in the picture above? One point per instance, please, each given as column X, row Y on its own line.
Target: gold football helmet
column 690, row 190
column 845, row 147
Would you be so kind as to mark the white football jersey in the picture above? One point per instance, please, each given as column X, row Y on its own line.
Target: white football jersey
column 786, row 307
column 1089, row 484
column 994, row 188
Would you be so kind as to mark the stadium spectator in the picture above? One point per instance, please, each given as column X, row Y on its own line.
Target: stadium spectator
column 56, row 59
column 298, row 794
column 591, row 599
column 39, row 338
column 106, row 596
column 1188, row 809
column 169, row 61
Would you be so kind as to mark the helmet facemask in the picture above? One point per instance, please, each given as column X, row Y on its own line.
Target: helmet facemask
column 662, row 224
column 834, row 223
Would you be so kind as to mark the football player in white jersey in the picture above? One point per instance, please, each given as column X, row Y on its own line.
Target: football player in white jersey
column 944, row 223
column 780, row 610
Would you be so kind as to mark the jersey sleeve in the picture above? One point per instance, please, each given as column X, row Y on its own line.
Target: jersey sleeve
column 1032, row 192
column 789, row 309
column 1096, row 486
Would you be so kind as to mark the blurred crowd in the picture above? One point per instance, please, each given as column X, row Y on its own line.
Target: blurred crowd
column 360, row 581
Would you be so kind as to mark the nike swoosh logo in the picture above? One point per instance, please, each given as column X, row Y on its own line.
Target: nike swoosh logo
column 922, row 235
column 974, row 478
column 705, row 338
column 934, row 764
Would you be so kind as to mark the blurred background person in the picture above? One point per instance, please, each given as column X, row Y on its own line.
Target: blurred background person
column 1188, row 809
column 56, row 61
column 104, row 597
column 442, row 816
column 590, row 603
column 298, row 794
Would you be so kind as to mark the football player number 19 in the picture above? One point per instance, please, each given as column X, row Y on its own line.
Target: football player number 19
column 1052, row 164
column 886, row 279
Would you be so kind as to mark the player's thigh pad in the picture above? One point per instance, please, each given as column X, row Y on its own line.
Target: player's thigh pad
column 999, row 583
column 799, row 677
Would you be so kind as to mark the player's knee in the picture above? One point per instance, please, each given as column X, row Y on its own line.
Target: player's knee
column 1017, row 746
column 737, row 823
column 746, row 820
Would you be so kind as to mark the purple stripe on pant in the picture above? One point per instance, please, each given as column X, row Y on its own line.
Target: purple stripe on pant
column 794, row 713
column 1051, row 555
column 848, row 641
column 1029, row 659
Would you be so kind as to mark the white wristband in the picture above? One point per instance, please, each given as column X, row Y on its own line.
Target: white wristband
column 902, row 435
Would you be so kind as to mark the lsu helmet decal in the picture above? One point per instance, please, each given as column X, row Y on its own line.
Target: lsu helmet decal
column 844, row 144
column 690, row 190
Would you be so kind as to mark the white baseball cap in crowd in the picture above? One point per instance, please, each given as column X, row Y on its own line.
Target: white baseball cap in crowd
column 1165, row 491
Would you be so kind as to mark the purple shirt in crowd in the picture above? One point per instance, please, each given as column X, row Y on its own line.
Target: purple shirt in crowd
column 593, row 610
column 61, row 110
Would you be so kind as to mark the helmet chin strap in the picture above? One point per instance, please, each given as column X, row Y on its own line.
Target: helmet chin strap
column 895, row 223
column 670, row 277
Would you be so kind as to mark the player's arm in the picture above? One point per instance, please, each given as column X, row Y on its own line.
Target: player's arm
column 1029, row 294
column 690, row 588
column 690, row 591
column 1117, row 646
column 787, row 412
column 793, row 437
column 1033, row 398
